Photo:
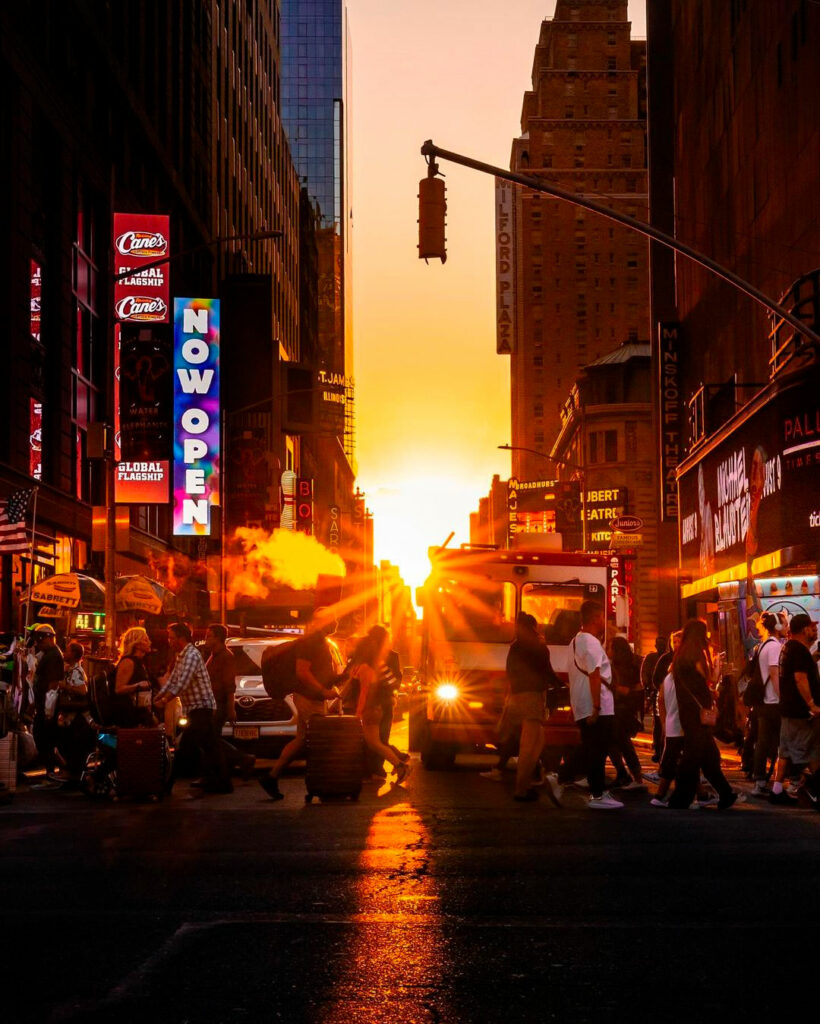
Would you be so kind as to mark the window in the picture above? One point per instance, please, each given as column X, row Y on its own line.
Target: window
column 89, row 338
column 603, row 446
column 538, row 410
column 611, row 63
column 537, row 360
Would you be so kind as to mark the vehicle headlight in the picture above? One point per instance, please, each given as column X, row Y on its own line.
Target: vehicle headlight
column 447, row 691
column 182, row 723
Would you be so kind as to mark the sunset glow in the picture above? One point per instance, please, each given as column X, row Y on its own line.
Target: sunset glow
column 432, row 396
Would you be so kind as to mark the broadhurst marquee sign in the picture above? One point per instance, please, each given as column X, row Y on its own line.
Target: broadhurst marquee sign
column 196, row 415
column 756, row 491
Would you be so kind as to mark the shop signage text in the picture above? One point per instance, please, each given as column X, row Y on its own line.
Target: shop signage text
column 505, row 266
column 196, row 415
column 671, row 417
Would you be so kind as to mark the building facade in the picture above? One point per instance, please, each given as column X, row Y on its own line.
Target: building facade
column 578, row 283
column 606, row 443
column 733, row 149
column 169, row 109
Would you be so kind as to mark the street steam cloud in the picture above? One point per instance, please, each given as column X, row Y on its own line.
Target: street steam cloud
column 259, row 561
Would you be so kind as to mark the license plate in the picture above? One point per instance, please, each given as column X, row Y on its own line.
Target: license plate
column 245, row 732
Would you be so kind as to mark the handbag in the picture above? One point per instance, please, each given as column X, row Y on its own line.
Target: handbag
column 708, row 716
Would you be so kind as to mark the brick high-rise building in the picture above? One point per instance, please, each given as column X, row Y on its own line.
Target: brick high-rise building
column 579, row 283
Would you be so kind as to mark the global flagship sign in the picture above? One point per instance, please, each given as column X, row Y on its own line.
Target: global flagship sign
column 196, row 415
column 756, row 492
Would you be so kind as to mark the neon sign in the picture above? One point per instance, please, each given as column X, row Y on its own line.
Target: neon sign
column 196, row 415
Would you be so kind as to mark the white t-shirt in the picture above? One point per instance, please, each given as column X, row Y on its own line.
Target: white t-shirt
column 769, row 658
column 585, row 655
column 672, row 727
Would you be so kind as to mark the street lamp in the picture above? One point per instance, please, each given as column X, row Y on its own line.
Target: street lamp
column 110, row 464
column 560, row 463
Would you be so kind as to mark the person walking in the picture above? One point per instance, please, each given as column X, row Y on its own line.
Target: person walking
column 368, row 667
column 767, row 713
column 529, row 671
column 313, row 684
column 221, row 666
column 130, row 703
column 189, row 680
column 48, row 675
column 692, row 671
column 592, row 700
column 800, row 713
column 628, row 720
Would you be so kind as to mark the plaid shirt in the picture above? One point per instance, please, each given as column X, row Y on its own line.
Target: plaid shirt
column 189, row 681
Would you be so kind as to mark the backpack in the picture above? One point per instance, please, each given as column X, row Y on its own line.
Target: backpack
column 279, row 669
column 754, row 690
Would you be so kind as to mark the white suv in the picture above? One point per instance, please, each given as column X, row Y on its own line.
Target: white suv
column 263, row 725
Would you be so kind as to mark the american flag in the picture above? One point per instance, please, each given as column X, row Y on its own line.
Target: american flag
column 13, row 522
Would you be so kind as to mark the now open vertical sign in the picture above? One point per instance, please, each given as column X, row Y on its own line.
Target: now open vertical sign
column 196, row 415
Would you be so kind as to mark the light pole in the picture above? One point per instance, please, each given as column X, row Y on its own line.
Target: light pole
column 110, row 570
column 561, row 463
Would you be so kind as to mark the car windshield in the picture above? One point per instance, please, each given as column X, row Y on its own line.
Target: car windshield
column 557, row 607
column 480, row 609
column 248, row 658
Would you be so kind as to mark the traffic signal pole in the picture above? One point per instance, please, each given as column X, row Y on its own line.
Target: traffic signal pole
column 433, row 153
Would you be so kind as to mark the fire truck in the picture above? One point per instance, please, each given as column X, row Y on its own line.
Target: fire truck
column 470, row 602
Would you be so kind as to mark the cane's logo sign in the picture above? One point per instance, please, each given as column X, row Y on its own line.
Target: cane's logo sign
column 149, row 245
column 141, row 307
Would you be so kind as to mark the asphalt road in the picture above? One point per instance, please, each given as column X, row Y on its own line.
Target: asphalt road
column 443, row 901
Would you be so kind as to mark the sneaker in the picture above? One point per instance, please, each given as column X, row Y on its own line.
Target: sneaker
column 783, row 799
column 494, row 775
column 271, row 787
column 708, row 801
column 806, row 798
column 402, row 771
column 526, row 798
column 734, row 798
column 652, row 776
column 634, row 784
column 761, row 790
column 657, row 801
column 605, row 802
column 553, row 788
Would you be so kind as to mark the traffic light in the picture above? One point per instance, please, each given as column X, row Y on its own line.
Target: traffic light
column 432, row 210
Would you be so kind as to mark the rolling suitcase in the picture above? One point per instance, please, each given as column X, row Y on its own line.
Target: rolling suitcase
column 143, row 763
column 335, row 757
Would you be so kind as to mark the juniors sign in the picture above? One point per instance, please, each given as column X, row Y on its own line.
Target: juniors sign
column 196, row 415
column 756, row 491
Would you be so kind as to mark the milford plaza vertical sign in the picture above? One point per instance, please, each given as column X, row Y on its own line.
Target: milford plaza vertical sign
column 196, row 415
column 671, row 416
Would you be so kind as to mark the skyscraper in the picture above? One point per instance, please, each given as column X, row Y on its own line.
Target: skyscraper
column 579, row 283
column 315, row 112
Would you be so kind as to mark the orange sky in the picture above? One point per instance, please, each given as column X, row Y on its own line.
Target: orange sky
column 432, row 396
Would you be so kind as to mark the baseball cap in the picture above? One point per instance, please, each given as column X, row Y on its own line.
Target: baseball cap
column 799, row 622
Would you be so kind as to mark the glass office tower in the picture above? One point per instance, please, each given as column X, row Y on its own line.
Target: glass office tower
column 315, row 83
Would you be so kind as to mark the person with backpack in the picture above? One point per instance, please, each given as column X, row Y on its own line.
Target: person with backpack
column 762, row 695
column 305, row 670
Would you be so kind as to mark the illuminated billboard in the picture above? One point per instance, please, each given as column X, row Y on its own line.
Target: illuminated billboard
column 196, row 415
column 142, row 483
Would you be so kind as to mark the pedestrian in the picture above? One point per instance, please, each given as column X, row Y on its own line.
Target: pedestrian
column 130, row 704
column 659, row 673
column 767, row 713
column 692, row 671
column 368, row 663
column 529, row 672
column 221, row 666
column 188, row 679
column 592, row 700
column 389, row 681
column 628, row 721
column 313, row 684
column 800, row 713
column 48, row 675
column 75, row 734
